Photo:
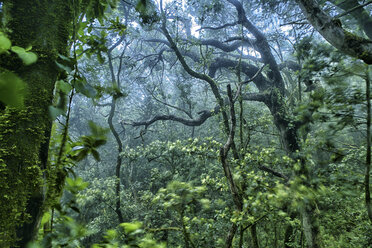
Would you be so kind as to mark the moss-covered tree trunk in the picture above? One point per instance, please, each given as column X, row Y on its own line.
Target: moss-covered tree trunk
column 331, row 29
column 24, row 133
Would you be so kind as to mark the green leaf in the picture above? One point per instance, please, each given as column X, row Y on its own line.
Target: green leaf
column 111, row 234
column 5, row 43
column 95, row 154
column 63, row 86
column 84, row 88
column 17, row 49
column 55, row 112
column 97, row 130
column 131, row 227
column 64, row 67
column 100, row 58
column 77, row 148
column 76, row 184
column 33, row 245
column 76, row 209
column 12, row 89
column 83, row 153
column 46, row 218
column 99, row 142
column 28, row 48
column 28, row 58
column 64, row 57
column 66, row 63
column 70, row 181
column 87, row 140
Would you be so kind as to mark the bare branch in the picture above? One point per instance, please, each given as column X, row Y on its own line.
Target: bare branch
column 225, row 150
column 235, row 38
column 230, row 139
column 255, row 222
column 226, row 48
column 262, row 46
column 254, row 76
column 290, row 64
column 242, row 56
column 220, row 27
column 258, row 97
column 170, row 105
column 197, row 75
column 238, row 92
column 361, row 15
column 297, row 22
column 250, row 70
column 162, row 229
column 271, row 171
column 203, row 116
column 352, row 9
column 187, row 53
column 103, row 104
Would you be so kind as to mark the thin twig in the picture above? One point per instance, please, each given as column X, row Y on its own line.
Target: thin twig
column 352, row 9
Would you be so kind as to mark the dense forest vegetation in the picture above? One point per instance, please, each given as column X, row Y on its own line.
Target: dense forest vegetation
column 185, row 123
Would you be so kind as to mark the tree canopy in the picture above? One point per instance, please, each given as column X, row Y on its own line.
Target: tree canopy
column 153, row 123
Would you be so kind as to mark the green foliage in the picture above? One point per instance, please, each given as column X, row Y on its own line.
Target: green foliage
column 178, row 195
column 27, row 57
column 68, row 232
column 83, row 87
column 112, row 90
column 5, row 43
column 147, row 12
column 89, row 144
column 65, row 63
column 75, row 185
column 134, row 236
column 318, row 59
column 12, row 89
column 94, row 43
column 97, row 8
column 157, row 193
column 117, row 26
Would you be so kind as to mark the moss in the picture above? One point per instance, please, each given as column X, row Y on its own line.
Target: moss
column 356, row 43
column 24, row 134
column 20, row 172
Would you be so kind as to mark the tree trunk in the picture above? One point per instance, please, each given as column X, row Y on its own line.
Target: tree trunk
column 118, row 161
column 368, row 156
column 230, row 235
column 254, row 236
column 310, row 227
column 360, row 14
column 25, row 133
column 333, row 32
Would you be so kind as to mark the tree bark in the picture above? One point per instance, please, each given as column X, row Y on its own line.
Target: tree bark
column 368, row 156
column 24, row 133
column 333, row 32
column 359, row 14
column 254, row 236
